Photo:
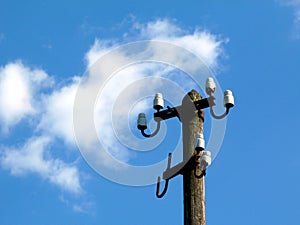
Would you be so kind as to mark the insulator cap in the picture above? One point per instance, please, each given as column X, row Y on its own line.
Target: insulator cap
column 158, row 102
column 210, row 87
column 205, row 160
column 142, row 121
column 228, row 99
column 199, row 142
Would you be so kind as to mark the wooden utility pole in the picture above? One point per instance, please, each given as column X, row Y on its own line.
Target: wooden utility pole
column 195, row 159
column 194, row 188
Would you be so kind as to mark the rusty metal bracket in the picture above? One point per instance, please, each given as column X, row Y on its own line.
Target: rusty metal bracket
column 176, row 111
column 167, row 180
column 181, row 168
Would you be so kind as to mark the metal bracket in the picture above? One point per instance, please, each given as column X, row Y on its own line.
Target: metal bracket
column 167, row 180
column 220, row 116
column 176, row 111
column 180, row 168
column 154, row 133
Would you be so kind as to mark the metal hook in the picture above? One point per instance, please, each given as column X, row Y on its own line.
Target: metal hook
column 154, row 133
column 158, row 188
column 221, row 116
column 167, row 180
column 211, row 102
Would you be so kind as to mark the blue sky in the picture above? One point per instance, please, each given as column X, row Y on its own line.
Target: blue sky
column 46, row 47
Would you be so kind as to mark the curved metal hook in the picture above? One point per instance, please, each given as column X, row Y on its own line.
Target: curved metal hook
column 154, row 133
column 167, row 180
column 221, row 116
column 158, row 188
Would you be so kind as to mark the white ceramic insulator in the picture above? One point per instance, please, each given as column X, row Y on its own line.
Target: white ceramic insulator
column 210, row 86
column 199, row 141
column 158, row 102
column 142, row 121
column 205, row 160
column 228, row 99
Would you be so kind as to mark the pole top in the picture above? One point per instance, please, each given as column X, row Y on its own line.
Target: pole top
column 189, row 109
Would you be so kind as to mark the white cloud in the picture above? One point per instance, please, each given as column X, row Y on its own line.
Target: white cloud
column 159, row 29
column 34, row 157
column 201, row 42
column 57, row 117
column 18, row 88
column 205, row 45
column 22, row 96
column 99, row 48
